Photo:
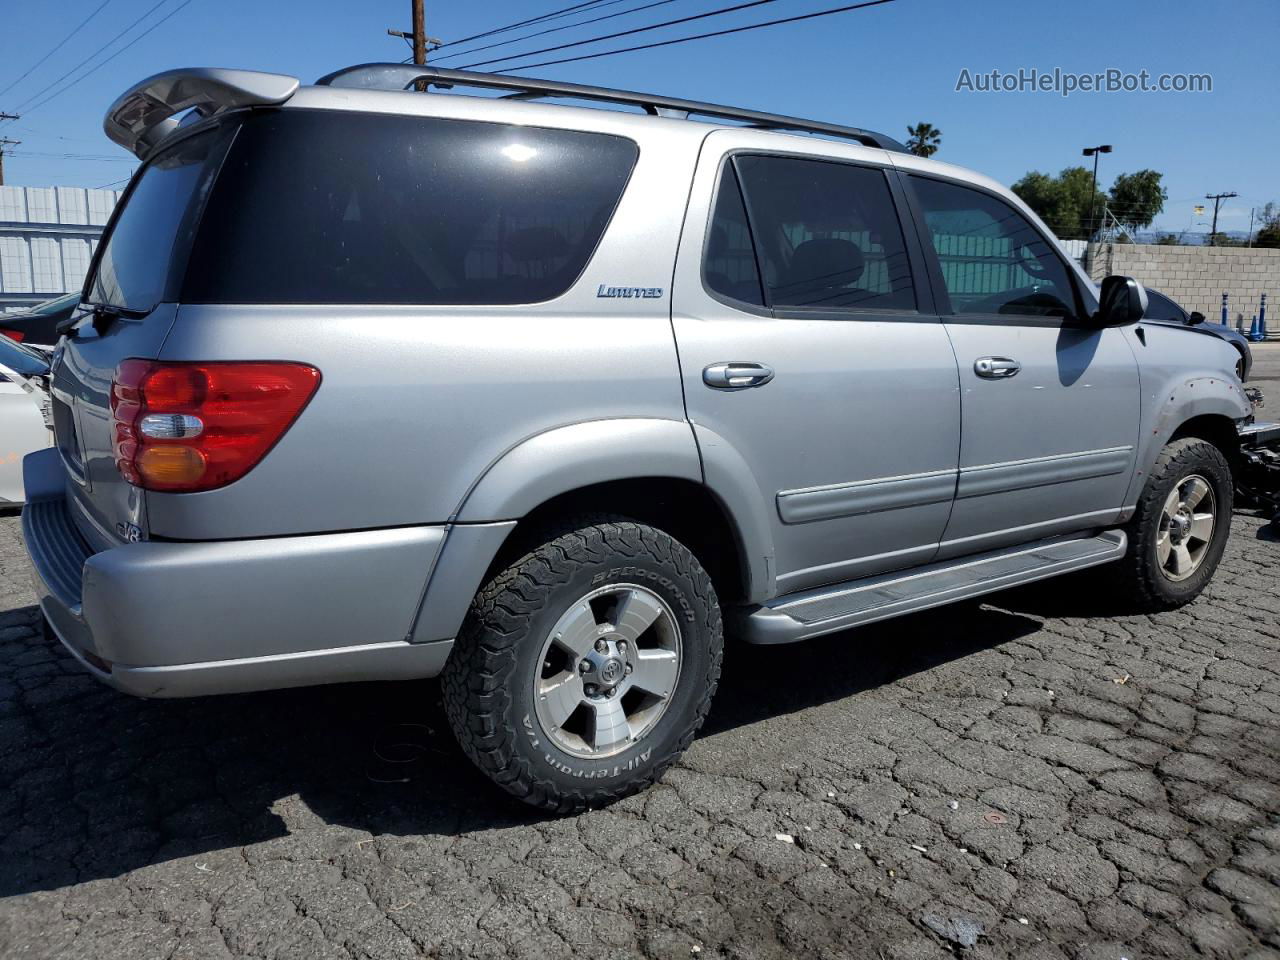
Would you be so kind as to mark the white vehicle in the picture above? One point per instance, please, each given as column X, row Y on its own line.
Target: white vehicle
column 23, row 429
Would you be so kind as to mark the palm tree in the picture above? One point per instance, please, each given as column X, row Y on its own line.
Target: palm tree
column 924, row 139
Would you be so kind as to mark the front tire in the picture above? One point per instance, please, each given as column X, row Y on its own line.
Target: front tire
column 584, row 669
column 1179, row 531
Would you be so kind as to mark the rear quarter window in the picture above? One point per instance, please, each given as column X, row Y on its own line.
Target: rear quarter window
column 146, row 245
column 331, row 207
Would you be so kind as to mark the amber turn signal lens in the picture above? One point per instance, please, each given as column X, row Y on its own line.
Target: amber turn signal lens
column 171, row 464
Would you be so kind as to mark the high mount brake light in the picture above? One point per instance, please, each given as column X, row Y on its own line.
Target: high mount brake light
column 186, row 427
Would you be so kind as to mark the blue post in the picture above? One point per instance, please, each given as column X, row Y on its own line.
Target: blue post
column 1225, row 322
column 1262, row 318
column 1254, row 333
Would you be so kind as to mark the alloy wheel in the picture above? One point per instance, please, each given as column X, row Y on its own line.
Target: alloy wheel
column 608, row 670
column 1186, row 527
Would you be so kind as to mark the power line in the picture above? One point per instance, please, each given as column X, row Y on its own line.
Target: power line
column 567, row 26
column 555, row 14
column 623, row 33
column 70, row 156
column 95, row 53
column 699, row 36
column 57, row 47
column 99, row 66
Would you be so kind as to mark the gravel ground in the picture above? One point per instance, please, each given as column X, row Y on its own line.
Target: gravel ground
column 1027, row 777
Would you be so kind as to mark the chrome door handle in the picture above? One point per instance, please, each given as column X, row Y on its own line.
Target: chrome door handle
column 736, row 375
column 996, row 368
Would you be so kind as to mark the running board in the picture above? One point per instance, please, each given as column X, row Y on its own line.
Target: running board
column 828, row 609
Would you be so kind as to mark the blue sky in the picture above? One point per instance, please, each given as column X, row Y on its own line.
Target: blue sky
column 882, row 68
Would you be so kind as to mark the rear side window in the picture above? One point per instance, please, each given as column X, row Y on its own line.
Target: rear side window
column 328, row 207
column 148, row 242
column 729, row 263
column 827, row 234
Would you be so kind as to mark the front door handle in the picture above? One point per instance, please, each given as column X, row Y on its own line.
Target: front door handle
column 996, row 368
column 736, row 375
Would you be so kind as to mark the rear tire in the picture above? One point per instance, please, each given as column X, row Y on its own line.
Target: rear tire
column 584, row 669
column 1180, row 529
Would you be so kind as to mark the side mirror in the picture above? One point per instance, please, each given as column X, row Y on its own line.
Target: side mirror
column 1122, row 301
column 1196, row 318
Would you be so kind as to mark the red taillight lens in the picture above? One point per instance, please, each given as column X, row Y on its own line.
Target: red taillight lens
column 184, row 427
column 13, row 334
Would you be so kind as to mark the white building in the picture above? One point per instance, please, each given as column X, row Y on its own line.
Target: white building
column 47, row 237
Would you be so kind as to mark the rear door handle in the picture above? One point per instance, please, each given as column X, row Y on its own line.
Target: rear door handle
column 736, row 375
column 996, row 368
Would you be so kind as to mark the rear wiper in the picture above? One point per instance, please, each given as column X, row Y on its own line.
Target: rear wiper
column 106, row 314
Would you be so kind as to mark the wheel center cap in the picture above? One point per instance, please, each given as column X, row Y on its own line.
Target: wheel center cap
column 612, row 670
column 1181, row 526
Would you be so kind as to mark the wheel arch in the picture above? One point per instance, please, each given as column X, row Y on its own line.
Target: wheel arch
column 650, row 470
column 1204, row 406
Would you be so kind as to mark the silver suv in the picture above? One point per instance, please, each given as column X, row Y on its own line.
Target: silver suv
column 371, row 383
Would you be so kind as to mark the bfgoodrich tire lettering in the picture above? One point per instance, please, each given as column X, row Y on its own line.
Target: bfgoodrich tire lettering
column 491, row 681
column 1149, row 578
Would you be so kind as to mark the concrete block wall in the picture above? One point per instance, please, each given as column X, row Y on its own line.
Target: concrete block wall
column 1196, row 277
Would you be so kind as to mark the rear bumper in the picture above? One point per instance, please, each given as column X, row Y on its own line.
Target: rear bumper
column 186, row 619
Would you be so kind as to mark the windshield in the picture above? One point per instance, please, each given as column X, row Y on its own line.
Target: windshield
column 53, row 307
column 148, row 241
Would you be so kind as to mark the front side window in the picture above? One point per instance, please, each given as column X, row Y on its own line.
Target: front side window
column 993, row 260
column 1160, row 307
column 327, row 207
column 827, row 234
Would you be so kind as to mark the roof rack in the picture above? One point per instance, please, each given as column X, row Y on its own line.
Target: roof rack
column 401, row 76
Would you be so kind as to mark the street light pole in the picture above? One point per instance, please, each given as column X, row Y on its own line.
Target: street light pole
column 1093, row 194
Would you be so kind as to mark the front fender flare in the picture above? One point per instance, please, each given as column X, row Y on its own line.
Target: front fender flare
column 1191, row 398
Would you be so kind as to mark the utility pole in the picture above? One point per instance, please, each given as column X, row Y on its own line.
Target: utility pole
column 5, row 142
column 418, row 37
column 1217, row 199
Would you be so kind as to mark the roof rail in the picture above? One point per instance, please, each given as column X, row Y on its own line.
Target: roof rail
column 145, row 114
column 400, row 76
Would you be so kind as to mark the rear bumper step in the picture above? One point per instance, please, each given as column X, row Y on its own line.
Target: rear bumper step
column 828, row 609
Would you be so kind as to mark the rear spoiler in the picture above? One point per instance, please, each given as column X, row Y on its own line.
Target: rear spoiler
column 146, row 113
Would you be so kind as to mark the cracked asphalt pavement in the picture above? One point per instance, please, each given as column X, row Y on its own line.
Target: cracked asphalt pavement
column 1024, row 777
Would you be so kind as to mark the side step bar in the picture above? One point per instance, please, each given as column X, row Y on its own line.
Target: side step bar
column 828, row 609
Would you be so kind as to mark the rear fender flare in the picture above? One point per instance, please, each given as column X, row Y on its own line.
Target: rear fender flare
column 579, row 455
column 575, row 456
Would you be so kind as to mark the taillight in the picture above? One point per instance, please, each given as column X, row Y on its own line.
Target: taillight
column 13, row 334
column 184, row 427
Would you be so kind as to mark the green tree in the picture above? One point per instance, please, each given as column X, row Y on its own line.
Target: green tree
column 1167, row 240
column 1268, row 234
column 1067, row 202
column 1220, row 239
column 924, row 139
column 1137, row 198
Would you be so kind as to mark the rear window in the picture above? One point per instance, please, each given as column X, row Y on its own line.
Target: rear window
column 330, row 207
column 147, row 243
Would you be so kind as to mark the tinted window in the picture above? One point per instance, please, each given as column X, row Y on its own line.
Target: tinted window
column 827, row 234
column 730, row 262
column 326, row 207
column 154, row 227
column 992, row 259
column 1160, row 307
